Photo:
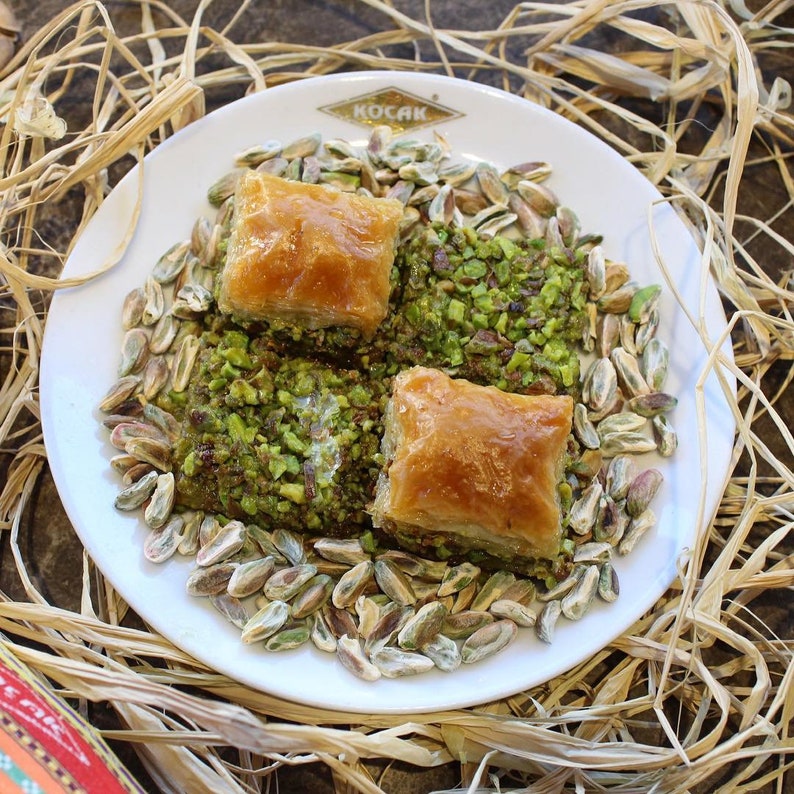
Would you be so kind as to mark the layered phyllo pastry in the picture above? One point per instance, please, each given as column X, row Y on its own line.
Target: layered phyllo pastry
column 309, row 255
column 471, row 468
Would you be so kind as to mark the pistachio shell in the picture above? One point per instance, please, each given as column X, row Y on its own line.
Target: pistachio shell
column 608, row 584
column 652, row 404
column 642, row 490
column 488, row 640
column 628, row 372
column 638, row 526
column 547, row 621
column 584, row 511
column 538, row 196
column 136, row 494
column 460, row 625
column 455, row 579
column 321, row 634
column 423, row 626
column 210, row 580
column 155, row 302
column 290, row 545
column 352, row 584
column 188, row 544
column 340, row 621
column 665, row 436
column 134, row 352
column 492, row 590
column 170, row 264
column 520, row 614
column 162, row 501
column 302, row 147
column 265, row 622
column 620, row 473
column 396, row 662
column 387, row 627
column 312, row 596
column 351, row 655
column 348, row 550
column 444, row 653
column 250, row 576
column 394, row 582
column 231, row 608
column 161, row 543
column 226, row 542
column 287, row 582
column 132, row 308
column 578, row 601
column 291, row 636
column 595, row 271
column 254, row 155
column 163, row 334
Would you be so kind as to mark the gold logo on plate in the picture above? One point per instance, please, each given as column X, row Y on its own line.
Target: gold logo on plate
column 398, row 109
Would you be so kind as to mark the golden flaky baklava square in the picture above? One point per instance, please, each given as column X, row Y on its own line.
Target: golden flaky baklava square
column 310, row 255
column 480, row 465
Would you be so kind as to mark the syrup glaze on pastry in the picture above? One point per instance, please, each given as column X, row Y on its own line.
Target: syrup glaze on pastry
column 478, row 465
column 309, row 255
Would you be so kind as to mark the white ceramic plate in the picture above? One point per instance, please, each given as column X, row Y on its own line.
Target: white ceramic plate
column 83, row 338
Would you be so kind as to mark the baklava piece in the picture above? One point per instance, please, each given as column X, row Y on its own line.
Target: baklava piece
column 471, row 467
column 309, row 255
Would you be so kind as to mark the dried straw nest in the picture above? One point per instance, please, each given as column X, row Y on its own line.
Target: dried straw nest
column 699, row 694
